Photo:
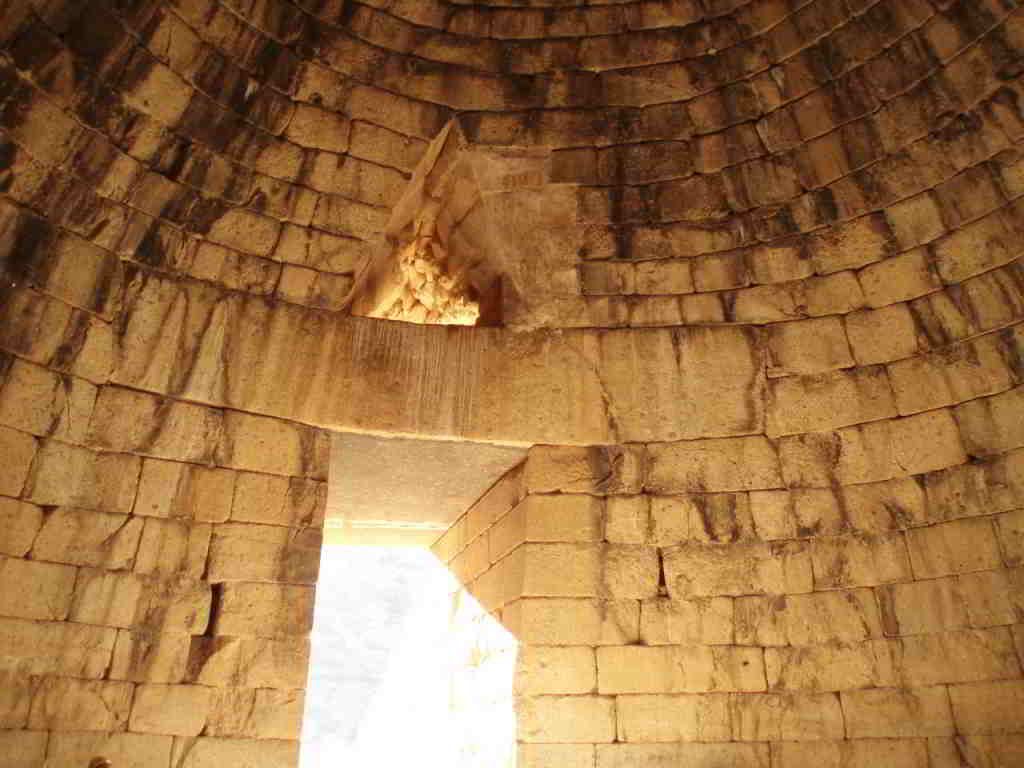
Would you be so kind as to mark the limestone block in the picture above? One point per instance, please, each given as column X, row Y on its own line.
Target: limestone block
column 679, row 669
column 958, row 546
column 993, row 598
column 786, row 716
column 798, row 404
column 16, row 694
column 630, row 570
column 837, row 667
column 922, row 607
column 772, row 514
column 807, row 346
column 80, row 537
column 979, row 488
column 134, row 422
column 854, row 244
column 968, row 655
column 320, row 128
column 495, row 503
column 149, row 657
column 179, row 710
column 718, row 517
column 881, row 335
column 562, row 570
column 172, row 489
column 1002, row 750
column 664, row 277
column 891, row 713
column 18, row 450
column 671, row 518
column 566, row 719
column 713, row 570
column 245, row 552
column 885, row 506
column 872, row 452
column 892, row 753
column 987, row 707
column 727, row 464
column 37, row 648
column 859, row 561
column 595, row 469
column 125, row 750
column 27, row 749
column 899, row 278
column 563, row 755
column 265, row 610
column 77, row 477
column 73, row 421
column 127, row 600
column 555, row 669
column 812, row 619
column 245, row 231
column 1010, row 528
column 20, row 523
column 263, row 714
column 67, row 704
column 976, row 247
column 262, row 444
column 205, row 752
column 547, row 518
column 627, row 519
column 573, row 622
column 695, row 717
column 703, row 621
column 835, row 294
column 916, row 220
column 685, row 753
column 172, row 547
column 31, row 397
column 33, row 590
column 992, row 425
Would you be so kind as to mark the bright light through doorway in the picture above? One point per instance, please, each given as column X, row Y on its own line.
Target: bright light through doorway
column 407, row 668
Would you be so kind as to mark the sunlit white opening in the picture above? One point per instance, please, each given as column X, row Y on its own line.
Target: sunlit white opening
column 406, row 669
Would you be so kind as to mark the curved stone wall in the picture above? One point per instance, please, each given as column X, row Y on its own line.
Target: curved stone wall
column 781, row 241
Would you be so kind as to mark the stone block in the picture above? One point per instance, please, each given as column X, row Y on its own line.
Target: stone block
column 916, row 220
column 853, row 244
column 993, row 598
column 206, row 752
column 149, row 657
column 684, row 753
column 125, row 750
column 319, row 128
column 892, row 753
column 562, row 570
column 899, row 278
column 1010, row 529
column 594, row 469
column 562, row 755
column 671, row 520
column 993, row 707
column 263, row 714
column 262, row 444
column 265, row 610
column 813, row 619
column 703, row 621
column 922, row 607
column 837, row 667
column 173, row 548
column 798, row 404
column 67, row 704
column 572, row 622
column 134, row 422
column 678, row 669
column 31, row 397
column 807, row 346
column 31, row 590
column 958, row 546
column 555, row 669
column 727, row 464
column 80, row 537
column 992, row 425
column 714, row 570
column 66, row 475
column 18, row 450
column 859, row 561
column 108, row 599
column 630, row 571
column 967, row 656
column 627, row 519
column 892, row 713
column 38, row 648
column 245, row 552
column 26, row 749
column 177, row 710
column 567, row 719
column 659, row 718
column 881, row 335
column 175, row 490
column 772, row 514
column 20, row 523
column 786, row 716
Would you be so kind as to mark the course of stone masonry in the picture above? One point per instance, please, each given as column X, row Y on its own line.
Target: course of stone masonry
column 762, row 304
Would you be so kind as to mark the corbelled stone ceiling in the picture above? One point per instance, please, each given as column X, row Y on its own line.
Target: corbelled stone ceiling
column 743, row 277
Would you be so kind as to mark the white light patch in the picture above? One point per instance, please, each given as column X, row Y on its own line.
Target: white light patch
column 406, row 669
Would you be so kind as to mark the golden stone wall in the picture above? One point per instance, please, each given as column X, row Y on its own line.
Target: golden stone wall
column 778, row 248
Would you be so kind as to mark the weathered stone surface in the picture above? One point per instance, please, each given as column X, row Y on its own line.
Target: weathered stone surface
column 711, row 570
column 556, row 669
column 629, row 755
column 19, row 450
column 44, row 648
column 243, row 552
column 703, row 621
column 179, row 710
column 898, row 753
column 836, row 667
column 732, row 464
column 149, row 657
column 207, row 752
column 679, row 669
column 33, row 590
column 67, row 704
column 20, row 522
column 597, row 469
column 893, row 713
column 557, row 621
column 24, row 749
column 80, row 537
column 172, row 489
column 132, row 750
column 673, row 718
column 922, row 607
column 812, row 619
column 587, row 719
column 265, row 610
column 78, row 477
